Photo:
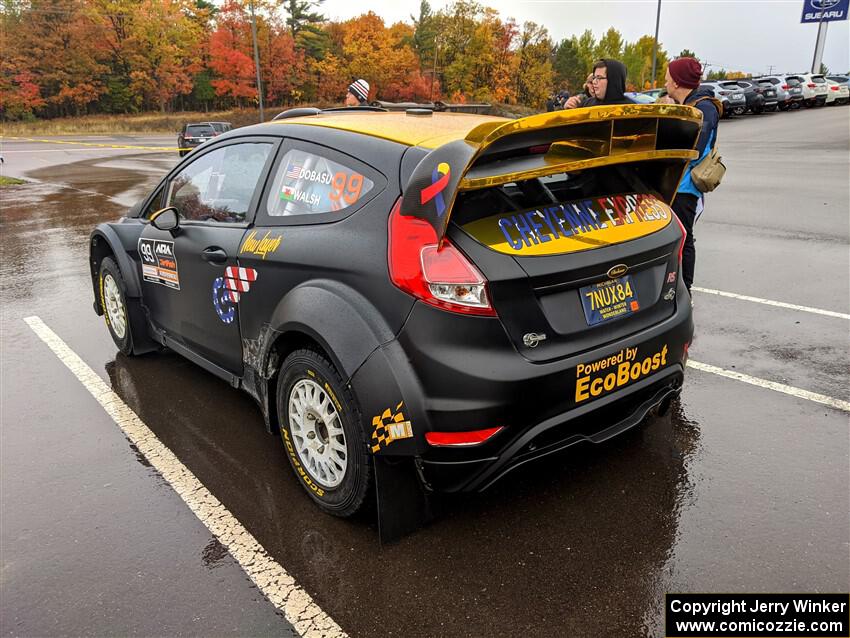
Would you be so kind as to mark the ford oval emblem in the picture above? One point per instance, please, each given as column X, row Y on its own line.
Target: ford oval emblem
column 617, row 271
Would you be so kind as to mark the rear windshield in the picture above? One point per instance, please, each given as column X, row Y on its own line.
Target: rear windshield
column 199, row 131
column 218, row 126
column 730, row 85
column 772, row 80
column 793, row 81
column 838, row 78
column 766, row 84
column 562, row 187
column 818, row 79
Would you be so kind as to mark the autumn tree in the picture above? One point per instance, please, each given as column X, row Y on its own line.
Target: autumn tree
column 54, row 54
column 610, row 46
column 687, row 53
column 534, row 69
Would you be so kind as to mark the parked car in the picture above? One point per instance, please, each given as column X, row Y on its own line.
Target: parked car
column 655, row 93
column 789, row 92
column 639, row 98
column 192, row 136
column 734, row 101
column 839, row 92
column 814, row 88
column 755, row 89
column 406, row 311
column 220, row 127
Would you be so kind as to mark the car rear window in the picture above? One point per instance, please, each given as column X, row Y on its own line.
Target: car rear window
column 199, row 131
column 772, row 80
column 561, row 187
column 793, row 81
column 731, row 85
column 308, row 183
column 818, row 79
column 766, row 84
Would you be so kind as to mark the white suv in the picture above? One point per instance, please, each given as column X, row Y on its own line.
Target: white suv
column 815, row 88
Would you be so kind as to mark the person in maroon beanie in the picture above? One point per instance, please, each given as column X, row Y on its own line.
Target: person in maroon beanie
column 683, row 86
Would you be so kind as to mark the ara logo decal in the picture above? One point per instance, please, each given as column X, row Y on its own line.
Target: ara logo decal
column 226, row 290
column 390, row 426
column 439, row 180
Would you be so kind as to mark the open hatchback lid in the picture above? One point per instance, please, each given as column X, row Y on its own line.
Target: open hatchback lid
column 659, row 137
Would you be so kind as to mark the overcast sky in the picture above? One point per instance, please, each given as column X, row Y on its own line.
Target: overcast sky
column 740, row 35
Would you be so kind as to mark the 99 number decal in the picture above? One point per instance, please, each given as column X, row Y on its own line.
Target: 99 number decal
column 346, row 188
column 147, row 252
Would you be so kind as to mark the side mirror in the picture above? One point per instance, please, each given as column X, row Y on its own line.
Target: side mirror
column 166, row 219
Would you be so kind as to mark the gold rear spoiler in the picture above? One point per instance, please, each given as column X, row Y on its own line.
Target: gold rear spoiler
column 661, row 137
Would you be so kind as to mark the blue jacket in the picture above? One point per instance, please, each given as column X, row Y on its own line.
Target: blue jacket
column 707, row 134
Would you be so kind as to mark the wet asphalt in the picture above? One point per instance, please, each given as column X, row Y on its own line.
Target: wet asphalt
column 738, row 489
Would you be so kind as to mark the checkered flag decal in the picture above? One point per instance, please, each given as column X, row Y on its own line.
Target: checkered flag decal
column 381, row 437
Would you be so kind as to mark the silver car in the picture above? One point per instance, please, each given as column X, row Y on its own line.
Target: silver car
column 815, row 88
column 789, row 91
column 734, row 101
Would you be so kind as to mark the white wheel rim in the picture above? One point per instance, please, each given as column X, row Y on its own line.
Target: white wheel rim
column 317, row 433
column 114, row 307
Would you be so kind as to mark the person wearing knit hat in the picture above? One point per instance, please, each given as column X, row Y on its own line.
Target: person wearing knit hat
column 682, row 82
column 358, row 93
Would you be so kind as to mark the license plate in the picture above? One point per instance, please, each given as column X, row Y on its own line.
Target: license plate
column 607, row 300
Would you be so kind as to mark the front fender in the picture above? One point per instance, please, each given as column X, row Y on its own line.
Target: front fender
column 118, row 239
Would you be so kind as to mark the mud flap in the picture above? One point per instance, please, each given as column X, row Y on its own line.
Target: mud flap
column 403, row 503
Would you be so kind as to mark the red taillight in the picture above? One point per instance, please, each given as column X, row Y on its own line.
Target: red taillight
column 834, row 88
column 443, row 278
column 461, row 439
column 810, row 85
column 784, row 87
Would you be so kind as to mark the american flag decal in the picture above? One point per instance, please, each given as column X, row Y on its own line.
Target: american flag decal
column 294, row 172
column 238, row 280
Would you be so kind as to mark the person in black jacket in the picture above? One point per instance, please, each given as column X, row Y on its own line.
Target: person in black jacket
column 607, row 85
column 683, row 87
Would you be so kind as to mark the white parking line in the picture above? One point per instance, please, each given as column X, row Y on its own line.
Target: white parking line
column 771, row 302
column 832, row 402
column 273, row 580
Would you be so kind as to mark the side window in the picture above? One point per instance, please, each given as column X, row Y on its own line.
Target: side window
column 309, row 183
column 219, row 185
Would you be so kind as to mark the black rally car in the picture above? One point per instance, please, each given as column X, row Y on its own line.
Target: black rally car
column 418, row 301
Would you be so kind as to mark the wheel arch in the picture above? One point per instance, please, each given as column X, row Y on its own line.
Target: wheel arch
column 329, row 317
column 104, row 241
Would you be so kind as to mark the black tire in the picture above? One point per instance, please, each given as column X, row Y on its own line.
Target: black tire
column 305, row 370
column 109, row 272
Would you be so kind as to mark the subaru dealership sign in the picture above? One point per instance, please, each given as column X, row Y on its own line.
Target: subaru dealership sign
column 824, row 10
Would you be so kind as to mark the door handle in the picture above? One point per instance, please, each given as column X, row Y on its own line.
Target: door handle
column 214, row 255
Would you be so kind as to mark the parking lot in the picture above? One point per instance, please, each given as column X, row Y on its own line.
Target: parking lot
column 743, row 487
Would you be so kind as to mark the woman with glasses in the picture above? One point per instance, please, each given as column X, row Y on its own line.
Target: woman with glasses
column 607, row 86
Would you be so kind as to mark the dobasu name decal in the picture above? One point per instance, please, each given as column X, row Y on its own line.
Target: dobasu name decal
column 573, row 226
column 608, row 374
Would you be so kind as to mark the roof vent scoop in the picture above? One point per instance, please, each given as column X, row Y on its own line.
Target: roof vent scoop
column 419, row 112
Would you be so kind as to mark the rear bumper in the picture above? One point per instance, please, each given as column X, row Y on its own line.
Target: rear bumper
column 594, row 423
column 446, row 373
